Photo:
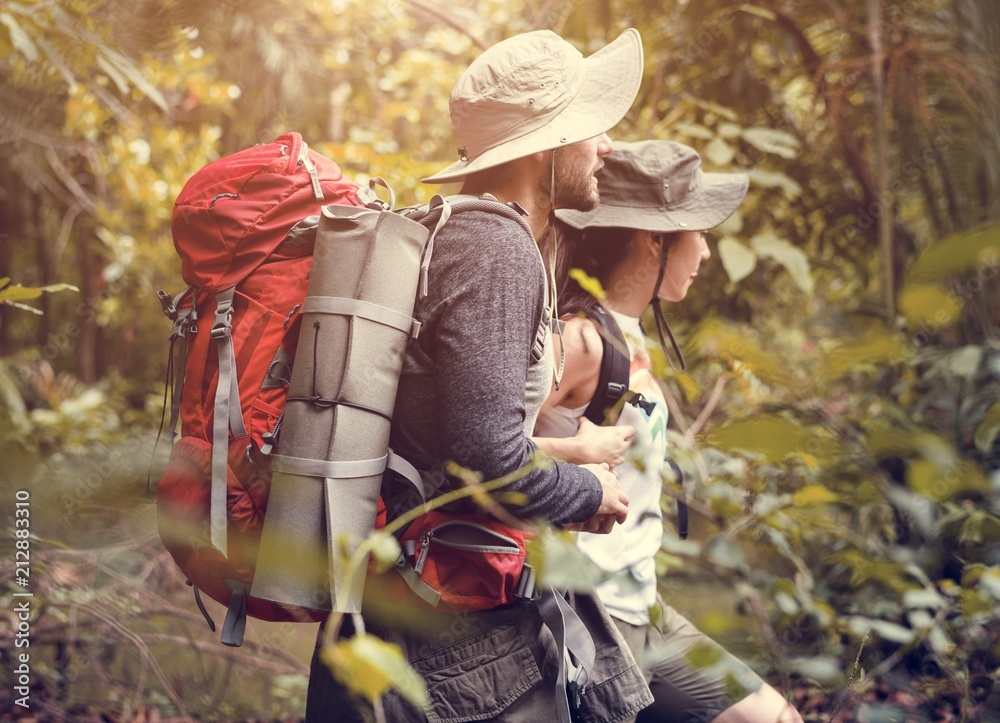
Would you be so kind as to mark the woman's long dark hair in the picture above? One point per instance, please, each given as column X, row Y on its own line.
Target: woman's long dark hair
column 598, row 252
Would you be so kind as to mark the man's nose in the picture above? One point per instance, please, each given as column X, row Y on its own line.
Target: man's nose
column 604, row 145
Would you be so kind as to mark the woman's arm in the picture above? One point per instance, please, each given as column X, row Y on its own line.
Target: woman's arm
column 592, row 444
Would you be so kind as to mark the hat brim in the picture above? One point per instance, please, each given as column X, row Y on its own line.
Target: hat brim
column 611, row 81
column 717, row 197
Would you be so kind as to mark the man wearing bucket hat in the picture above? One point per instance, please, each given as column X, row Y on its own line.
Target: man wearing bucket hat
column 532, row 115
column 645, row 243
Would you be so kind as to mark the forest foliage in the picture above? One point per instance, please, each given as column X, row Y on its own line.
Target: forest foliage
column 839, row 422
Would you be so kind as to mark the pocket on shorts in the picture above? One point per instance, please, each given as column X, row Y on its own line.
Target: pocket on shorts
column 479, row 677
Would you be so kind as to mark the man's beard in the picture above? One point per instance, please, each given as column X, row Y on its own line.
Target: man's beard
column 573, row 188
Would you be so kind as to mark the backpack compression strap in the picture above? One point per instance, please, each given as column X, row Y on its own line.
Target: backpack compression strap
column 612, row 384
column 228, row 415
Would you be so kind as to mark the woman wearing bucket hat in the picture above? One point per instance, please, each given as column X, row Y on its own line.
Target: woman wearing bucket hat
column 645, row 243
column 531, row 114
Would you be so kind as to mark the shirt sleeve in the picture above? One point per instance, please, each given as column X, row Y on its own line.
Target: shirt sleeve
column 491, row 300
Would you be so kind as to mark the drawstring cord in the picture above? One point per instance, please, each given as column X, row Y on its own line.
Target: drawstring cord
column 660, row 319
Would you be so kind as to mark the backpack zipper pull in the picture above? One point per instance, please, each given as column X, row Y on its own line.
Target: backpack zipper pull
column 425, row 544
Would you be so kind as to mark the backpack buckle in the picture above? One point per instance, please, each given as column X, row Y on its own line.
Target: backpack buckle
column 167, row 304
column 223, row 325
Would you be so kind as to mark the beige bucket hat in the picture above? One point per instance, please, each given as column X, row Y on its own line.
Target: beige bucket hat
column 534, row 92
column 659, row 186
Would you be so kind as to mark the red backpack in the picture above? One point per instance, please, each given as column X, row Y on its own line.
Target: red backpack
column 235, row 230
column 244, row 228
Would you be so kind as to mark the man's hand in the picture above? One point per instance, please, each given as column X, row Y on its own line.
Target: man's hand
column 614, row 502
column 596, row 444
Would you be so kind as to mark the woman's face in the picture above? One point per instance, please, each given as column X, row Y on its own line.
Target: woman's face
column 683, row 261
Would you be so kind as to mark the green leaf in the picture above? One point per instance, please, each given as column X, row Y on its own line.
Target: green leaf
column 986, row 432
column 59, row 287
column 965, row 361
column 925, row 597
column 815, row 494
column 19, row 39
column 714, row 338
column 19, row 293
column 738, row 261
column 723, row 551
column 861, row 625
column 929, row 304
column 773, row 141
column 881, row 713
column 385, row 549
column 719, row 152
column 370, row 666
column 822, row 668
column 114, row 74
column 875, row 349
column 703, row 655
column 732, row 225
column 775, row 179
column 729, row 130
column 25, row 307
column 956, row 254
column 758, row 11
column 940, row 481
column 559, row 562
column 774, row 437
column 588, row 283
column 694, row 130
column 135, row 75
column 794, row 260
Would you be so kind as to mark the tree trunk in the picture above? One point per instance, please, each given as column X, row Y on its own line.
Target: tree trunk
column 883, row 200
column 87, row 340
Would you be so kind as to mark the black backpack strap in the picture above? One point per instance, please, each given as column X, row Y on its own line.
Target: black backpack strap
column 612, row 384
column 613, row 393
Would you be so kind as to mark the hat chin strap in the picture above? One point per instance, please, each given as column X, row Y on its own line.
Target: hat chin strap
column 661, row 320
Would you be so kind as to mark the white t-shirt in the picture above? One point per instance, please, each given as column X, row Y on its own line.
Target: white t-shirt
column 627, row 553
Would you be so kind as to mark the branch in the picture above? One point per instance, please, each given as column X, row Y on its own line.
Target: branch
column 74, row 187
column 448, row 20
column 148, row 655
column 294, row 666
column 713, row 401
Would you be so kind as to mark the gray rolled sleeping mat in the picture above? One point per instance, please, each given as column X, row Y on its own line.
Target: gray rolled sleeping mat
column 327, row 472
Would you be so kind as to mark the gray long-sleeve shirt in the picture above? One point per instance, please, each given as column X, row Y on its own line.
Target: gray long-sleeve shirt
column 461, row 396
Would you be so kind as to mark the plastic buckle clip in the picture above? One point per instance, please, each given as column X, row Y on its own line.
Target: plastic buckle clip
column 223, row 325
column 167, row 304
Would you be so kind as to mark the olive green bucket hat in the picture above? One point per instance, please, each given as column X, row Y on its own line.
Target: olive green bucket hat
column 659, row 186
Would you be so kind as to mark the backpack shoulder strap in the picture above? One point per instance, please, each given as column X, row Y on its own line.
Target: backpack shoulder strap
column 612, row 384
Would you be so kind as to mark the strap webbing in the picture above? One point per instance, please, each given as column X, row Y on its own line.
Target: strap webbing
column 613, row 379
column 416, row 583
column 228, row 415
column 236, row 616
column 425, row 261
column 408, row 472
column 322, row 468
column 344, row 306
column 571, row 637
column 682, row 507
column 179, row 338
